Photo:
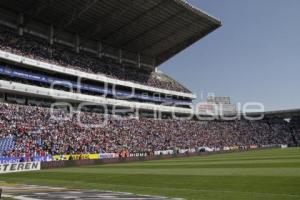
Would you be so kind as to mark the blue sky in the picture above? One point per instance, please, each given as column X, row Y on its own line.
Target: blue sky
column 254, row 56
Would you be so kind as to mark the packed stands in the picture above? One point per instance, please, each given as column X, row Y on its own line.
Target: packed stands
column 35, row 131
column 38, row 132
column 295, row 129
column 40, row 49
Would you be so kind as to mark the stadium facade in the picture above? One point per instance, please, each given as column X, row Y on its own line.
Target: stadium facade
column 113, row 47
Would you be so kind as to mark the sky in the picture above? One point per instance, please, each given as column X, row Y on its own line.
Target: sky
column 253, row 57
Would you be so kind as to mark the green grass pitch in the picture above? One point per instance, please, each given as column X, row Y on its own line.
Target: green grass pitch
column 264, row 174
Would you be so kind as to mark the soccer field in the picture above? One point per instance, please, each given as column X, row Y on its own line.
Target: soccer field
column 265, row 174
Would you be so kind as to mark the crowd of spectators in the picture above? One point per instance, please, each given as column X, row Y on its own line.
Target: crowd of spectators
column 38, row 132
column 40, row 49
column 295, row 128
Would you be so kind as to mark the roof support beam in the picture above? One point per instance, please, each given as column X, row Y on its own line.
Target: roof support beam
column 99, row 46
column 142, row 40
column 171, row 37
column 77, row 43
column 155, row 10
column 166, row 54
column 67, row 20
column 177, row 47
column 34, row 10
column 108, row 19
column 120, row 56
column 139, row 61
column 153, row 62
column 20, row 24
column 51, row 34
column 143, row 34
column 77, row 13
column 103, row 23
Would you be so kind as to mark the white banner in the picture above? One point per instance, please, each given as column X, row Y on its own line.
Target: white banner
column 20, row 167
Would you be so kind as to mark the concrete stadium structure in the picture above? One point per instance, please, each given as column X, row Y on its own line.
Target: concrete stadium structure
column 135, row 34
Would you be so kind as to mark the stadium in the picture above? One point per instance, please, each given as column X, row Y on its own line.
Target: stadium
column 86, row 113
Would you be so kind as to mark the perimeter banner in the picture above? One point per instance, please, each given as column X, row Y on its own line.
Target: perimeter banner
column 77, row 157
column 19, row 167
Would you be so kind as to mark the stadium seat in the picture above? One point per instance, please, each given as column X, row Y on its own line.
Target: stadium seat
column 6, row 144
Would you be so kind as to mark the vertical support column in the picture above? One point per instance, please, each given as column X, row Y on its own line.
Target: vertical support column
column 51, row 34
column 21, row 24
column 100, row 47
column 77, row 43
column 120, row 56
column 139, row 61
column 153, row 63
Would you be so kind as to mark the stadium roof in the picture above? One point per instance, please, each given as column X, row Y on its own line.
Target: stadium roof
column 283, row 113
column 154, row 28
column 278, row 113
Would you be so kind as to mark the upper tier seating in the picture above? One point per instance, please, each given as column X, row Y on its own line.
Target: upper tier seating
column 40, row 49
